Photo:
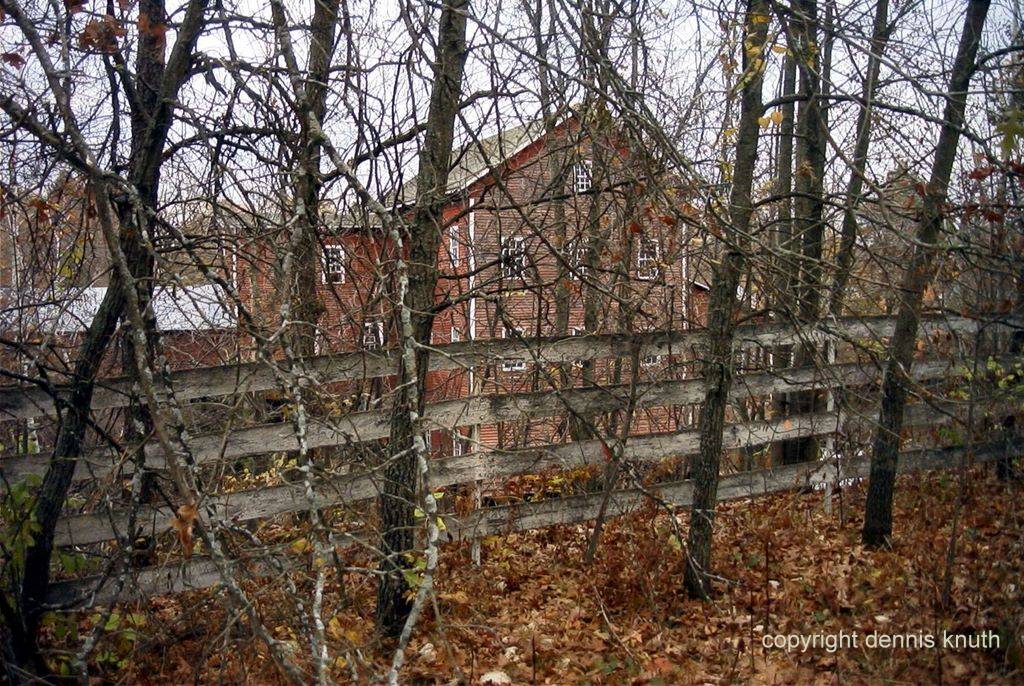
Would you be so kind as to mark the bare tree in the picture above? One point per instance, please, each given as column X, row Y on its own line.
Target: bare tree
column 719, row 357
column 808, row 203
column 881, row 29
column 414, row 313
column 895, row 387
column 154, row 90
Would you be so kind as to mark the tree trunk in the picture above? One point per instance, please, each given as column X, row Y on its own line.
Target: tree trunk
column 157, row 86
column 808, row 206
column 594, row 44
column 555, row 161
column 306, row 306
column 784, row 229
column 718, row 365
column 783, row 354
column 399, row 492
column 878, row 515
column 848, row 234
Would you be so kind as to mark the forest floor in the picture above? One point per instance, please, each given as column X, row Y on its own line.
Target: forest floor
column 532, row 613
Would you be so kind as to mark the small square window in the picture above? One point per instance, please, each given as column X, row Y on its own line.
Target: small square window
column 334, row 264
column 515, row 364
column 373, row 335
column 647, row 255
column 583, row 176
column 513, row 257
column 577, row 331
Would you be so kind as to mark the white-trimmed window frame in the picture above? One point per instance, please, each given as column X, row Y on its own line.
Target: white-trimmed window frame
column 647, row 264
column 372, row 335
column 513, row 257
column 333, row 271
column 583, row 176
column 513, row 364
column 577, row 258
column 453, row 244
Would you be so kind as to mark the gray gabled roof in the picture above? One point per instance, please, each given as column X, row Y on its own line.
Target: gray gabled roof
column 197, row 308
column 478, row 157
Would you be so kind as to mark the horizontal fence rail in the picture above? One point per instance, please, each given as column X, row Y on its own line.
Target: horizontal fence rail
column 22, row 402
column 268, row 501
column 333, row 490
column 199, row 573
column 372, row 425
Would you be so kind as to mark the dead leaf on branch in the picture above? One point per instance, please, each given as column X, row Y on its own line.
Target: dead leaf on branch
column 101, row 34
column 157, row 30
column 42, row 209
column 13, row 59
column 182, row 525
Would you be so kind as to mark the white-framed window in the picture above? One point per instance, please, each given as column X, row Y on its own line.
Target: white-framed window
column 577, row 331
column 583, row 176
column 453, row 244
column 650, row 360
column 576, row 255
column 514, row 364
column 334, row 264
column 513, row 257
column 455, row 334
column 373, row 335
column 648, row 253
column 457, row 446
column 511, row 331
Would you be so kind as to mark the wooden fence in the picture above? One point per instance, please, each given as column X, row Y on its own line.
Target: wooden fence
column 110, row 522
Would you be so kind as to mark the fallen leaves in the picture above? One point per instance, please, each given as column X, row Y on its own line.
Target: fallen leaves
column 787, row 568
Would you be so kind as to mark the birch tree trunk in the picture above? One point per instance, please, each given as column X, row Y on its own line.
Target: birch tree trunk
column 878, row 514
column 718, row 364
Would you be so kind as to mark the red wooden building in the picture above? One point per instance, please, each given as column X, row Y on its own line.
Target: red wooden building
column 524, row 209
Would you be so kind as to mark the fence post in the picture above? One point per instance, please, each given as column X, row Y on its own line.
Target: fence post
column 829, row 447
